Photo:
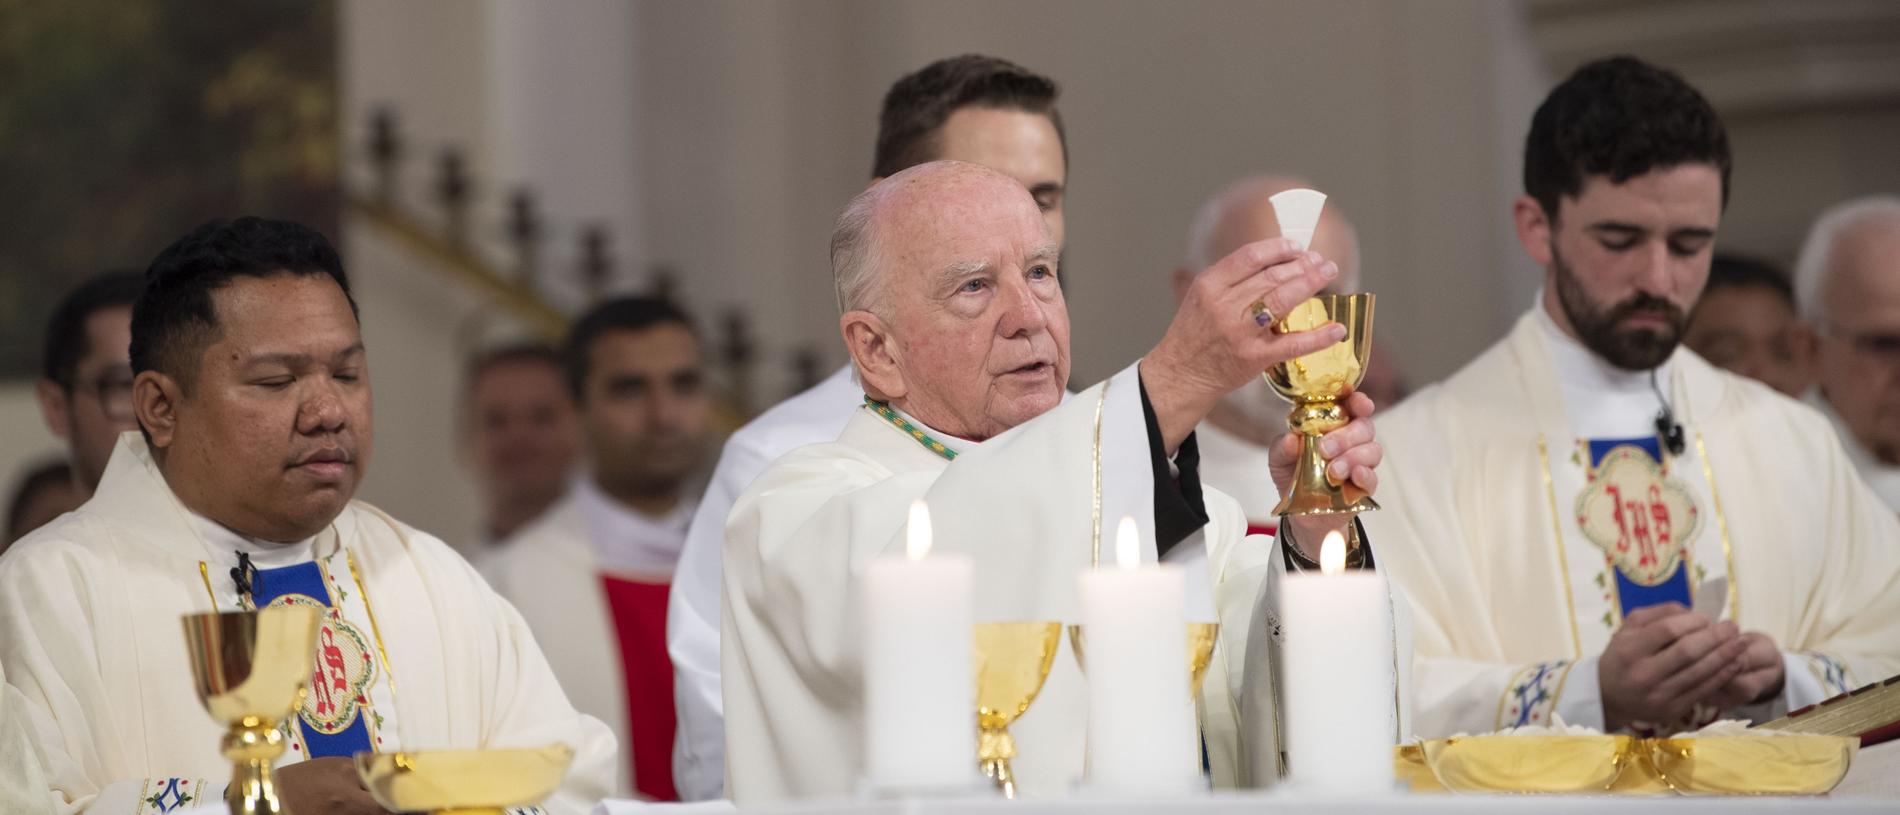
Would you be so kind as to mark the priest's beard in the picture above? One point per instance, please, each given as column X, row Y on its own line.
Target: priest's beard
column 1632, row 349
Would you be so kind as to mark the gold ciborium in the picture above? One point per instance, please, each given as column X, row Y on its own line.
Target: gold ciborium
column 1011, row 662
column 1200, row 650
column 1314, row 384
column 463, row 782
column 251, row 669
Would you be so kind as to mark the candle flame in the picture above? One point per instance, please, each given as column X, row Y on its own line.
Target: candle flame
column 1127, row 544
column 1332, row 554
column 917, row 537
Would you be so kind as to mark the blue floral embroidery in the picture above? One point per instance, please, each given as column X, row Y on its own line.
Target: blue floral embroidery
column 1531, row 695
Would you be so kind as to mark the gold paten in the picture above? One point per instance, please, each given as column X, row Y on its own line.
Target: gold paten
column 463, row 782
column 250, row 669
column 1314, row 384
column 1623, row 765
column 1200, row 651
column 1011, row 662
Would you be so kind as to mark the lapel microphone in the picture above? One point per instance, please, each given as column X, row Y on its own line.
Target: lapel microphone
column 1667, row 428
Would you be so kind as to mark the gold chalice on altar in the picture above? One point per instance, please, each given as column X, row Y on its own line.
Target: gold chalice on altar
column 1200, row 650
column 1011, row 662
column 1315, row 383
column 251, row 668
column 463, row 782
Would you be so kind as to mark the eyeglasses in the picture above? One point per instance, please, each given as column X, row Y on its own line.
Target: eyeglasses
column 113, row 391
column 1876, row 345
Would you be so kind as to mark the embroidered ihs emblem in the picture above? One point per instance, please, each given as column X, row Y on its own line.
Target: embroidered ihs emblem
column 341, row 674
column 1641, row 519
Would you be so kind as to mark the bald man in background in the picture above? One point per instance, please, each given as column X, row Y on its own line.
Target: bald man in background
column 1235, row 434
column 1847, row 281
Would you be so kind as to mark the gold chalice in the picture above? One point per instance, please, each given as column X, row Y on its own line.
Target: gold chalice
column 1011, row 662
column 463, row 782
column 1200, row 650
column 1315, row 383
column 251, row 668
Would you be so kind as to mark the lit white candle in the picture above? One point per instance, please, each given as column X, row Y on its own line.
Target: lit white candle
column 919, row 694
column 1141, row 728
column 1337, row 662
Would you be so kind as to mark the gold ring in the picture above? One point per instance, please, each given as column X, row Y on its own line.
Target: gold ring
column 1261, row 315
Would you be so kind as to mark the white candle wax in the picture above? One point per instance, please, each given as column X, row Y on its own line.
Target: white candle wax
column 1141, row 728
column 1337, row 662
column 919, row 693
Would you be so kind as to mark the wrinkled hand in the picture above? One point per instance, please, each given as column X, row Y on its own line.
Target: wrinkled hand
column 327, row 785
column 1761, row 674
column 1215, row 344
column 1664, row 661
column 1352, row 456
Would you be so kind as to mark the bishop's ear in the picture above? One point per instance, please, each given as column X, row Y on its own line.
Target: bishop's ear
column 155, row 399
column 874, row 351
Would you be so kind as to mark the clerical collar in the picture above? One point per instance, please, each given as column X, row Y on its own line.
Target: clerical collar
column 224, row 544
column 626, row 541
column 1601, row 400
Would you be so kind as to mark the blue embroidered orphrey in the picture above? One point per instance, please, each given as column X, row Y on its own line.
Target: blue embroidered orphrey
column 333, row 720
column 1654, row 571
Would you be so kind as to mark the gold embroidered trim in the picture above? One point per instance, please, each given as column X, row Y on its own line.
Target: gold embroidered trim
column 1721, row 525
column 204, row 571
column 375, row 630
column 1563, row 558
column 884, row 409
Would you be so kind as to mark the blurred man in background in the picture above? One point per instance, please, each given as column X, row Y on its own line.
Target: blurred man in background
column 972, row 108
column 520, row 434
column 1848, row 284
column 1746, row 323
column 592, row 575
column 85, row 387
column 46, row 491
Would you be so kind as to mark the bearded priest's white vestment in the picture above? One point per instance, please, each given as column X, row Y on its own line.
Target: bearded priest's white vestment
column 22, row 785
column 1530, row 505
column 414, row 650
column 1022, row 507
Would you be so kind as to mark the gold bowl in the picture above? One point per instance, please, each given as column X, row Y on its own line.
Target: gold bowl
column 1201, row 639
column 463, row 782
column 1408, row 765
column 1753, row 765
column 1528, row 764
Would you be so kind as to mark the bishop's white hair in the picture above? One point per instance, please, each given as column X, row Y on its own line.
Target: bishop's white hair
column 854, row 249
column 1811, row 267
column 1247, row 192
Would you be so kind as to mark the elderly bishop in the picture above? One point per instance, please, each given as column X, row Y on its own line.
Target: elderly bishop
column 946, row 274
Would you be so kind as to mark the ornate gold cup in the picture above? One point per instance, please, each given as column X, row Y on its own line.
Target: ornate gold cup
column 1314, row 383
column 463, row 782
column 1011, row 661
column 1200, row 650
column 251, row 669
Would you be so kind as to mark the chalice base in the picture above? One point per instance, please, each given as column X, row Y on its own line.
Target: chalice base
column 252, row 745
column 1314, row 494
column 995, row 748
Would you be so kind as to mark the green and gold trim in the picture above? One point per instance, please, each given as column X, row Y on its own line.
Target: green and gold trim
column 891, row 415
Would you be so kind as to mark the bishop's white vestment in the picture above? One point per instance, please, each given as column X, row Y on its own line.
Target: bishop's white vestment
column 1020, row 505
column 591, row 577
column 814, row 416
column 22, row 784
column 414, row 651
column 1529, row 505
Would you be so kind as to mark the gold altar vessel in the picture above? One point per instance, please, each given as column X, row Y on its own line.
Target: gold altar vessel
column 1314, row 384
column 463, row 782
column 1200, row 650
column 250, row 670
column 1011, row 662
column 1751, row 764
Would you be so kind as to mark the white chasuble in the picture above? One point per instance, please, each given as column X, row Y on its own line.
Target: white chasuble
column 1530, row 506
column 414, row 650
column 22, row 784
column 1020, row 506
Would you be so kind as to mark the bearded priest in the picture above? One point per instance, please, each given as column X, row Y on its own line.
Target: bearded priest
column 946, row 276
column 1594, row 522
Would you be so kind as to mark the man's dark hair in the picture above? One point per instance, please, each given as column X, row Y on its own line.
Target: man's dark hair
column 1740, row 272
column 174, row 318
column 620, row 314
column 917, row 105
column 67, row 341
column 1618, row 117
column 530, row 351
column 46, row 475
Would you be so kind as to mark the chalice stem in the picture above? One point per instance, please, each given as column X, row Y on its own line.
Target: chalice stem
column 253, row 790
column 995, row 748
